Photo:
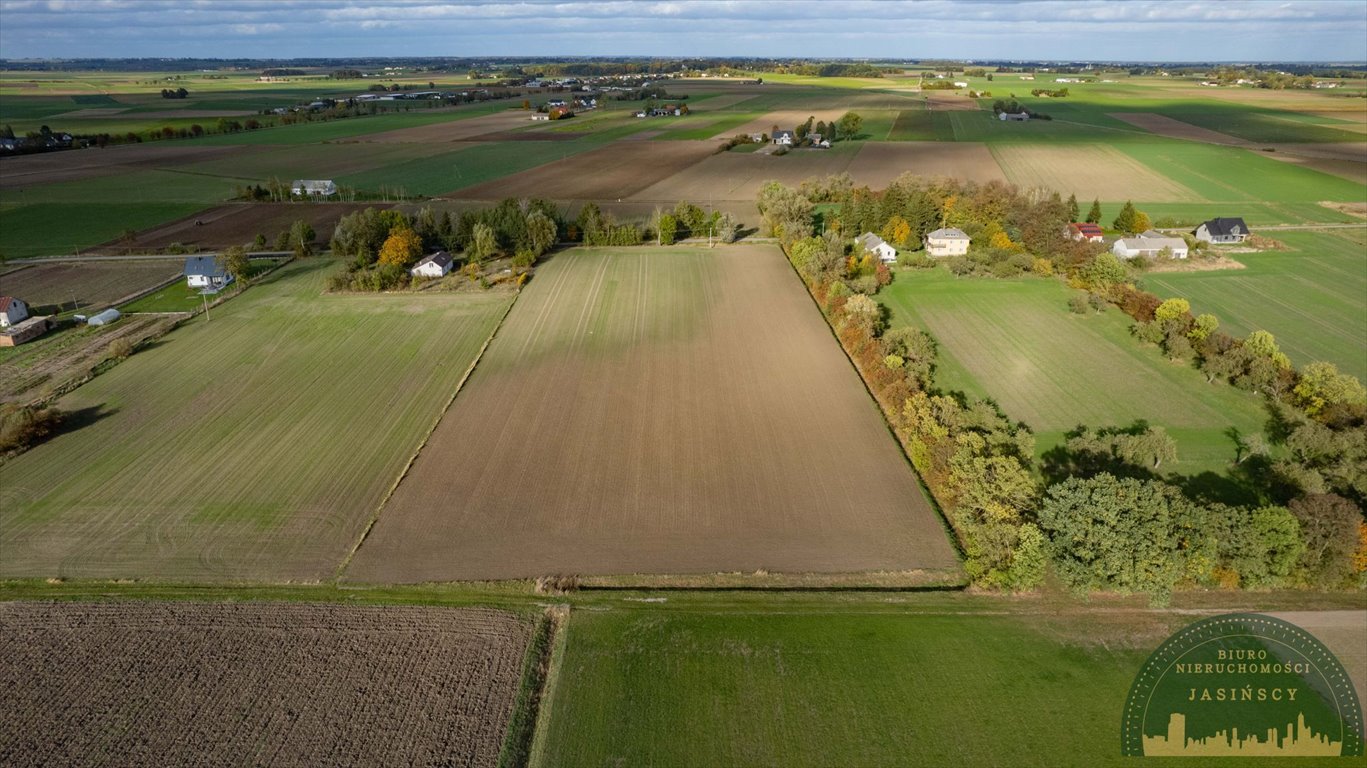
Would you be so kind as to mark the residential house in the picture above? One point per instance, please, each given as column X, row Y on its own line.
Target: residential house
column 819, row 141
column 205, row 272
column 435, row 265
column 784, row 138
column 1017, row 116
column 13, row 311
column 960, row 84
column 878, row 247
column 540, row 116
column 313, row 187
column 1085, row 231
column 1222, row 230
column 947, row 241
column 1149, row 245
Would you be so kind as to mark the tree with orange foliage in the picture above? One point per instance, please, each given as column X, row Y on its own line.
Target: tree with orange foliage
column 401, row 248
column 897, row 231
column 1001, row 240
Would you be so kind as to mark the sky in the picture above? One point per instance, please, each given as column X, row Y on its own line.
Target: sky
column 1081, row 30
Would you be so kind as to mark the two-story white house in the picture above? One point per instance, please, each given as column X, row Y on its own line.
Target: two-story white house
column 947, row 241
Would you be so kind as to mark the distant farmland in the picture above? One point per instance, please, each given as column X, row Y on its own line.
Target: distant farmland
column 658, row 411
column 1310, row 298
column 196, row 684
column 65, row 286
column 253, row 445
column 1016, row 342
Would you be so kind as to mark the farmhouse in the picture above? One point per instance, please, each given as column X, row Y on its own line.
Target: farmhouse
column 785, row 138
column 1085, row 231
column 540, row 116
column 878, row 246
column 1149, row 245
column 435, row 265
column 207, row 273
column 1220, row 230
column 313, row 187
column 1017, row 116
column 12, row 311
column 948, row 241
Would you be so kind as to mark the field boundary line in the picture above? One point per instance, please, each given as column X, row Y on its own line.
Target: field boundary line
column 403, row 473
column 541, row 692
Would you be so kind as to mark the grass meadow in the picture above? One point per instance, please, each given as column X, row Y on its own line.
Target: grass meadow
column 1310, row 297
column 254, row 444
column 1016, row 342
column 679, row 688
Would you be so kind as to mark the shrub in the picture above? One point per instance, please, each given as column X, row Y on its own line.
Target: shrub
column 120, row 349
column 22, row 426
column 1078, row 304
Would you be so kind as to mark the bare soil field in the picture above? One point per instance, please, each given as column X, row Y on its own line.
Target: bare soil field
column 49, row 288
column 1094, row 171
column 787, row 120
column 1347, row 160
column 639, row 412
column 879, row 162
column 453, row 130
column 739, row 176
column 278, row 684
column 239, row 224
column 615, row 171
column 1167, row 126
column 49, row 167
column 206, row 113
column 941, row 101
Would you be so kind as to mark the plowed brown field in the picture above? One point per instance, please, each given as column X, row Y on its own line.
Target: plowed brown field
column 49, row 288
column 191, row 684
column 238, row 224
column 617, row 170
column 50, row 167
column 455, row 130
column 647, row 410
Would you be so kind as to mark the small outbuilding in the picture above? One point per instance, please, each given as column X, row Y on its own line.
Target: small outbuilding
column 13, row 311
column 104, row 318
column 1222, row 230
column 947, row 241
column 435, row 265
column 206, row 273
column 1149, row 245
column 1019, row 117
column 1082, row 231
column 879, row 247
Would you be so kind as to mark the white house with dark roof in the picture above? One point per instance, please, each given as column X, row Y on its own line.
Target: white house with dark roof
column 1149, row 245
column 947, row 241
column 13, row 311
column 879, row 247
column 206, row 273
column 785, row 138
column 435, row 265
column 1222, row 230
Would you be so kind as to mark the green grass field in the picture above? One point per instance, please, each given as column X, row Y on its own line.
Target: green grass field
column 1311, row 298
column 679, row 688
column 464, row 167
column 1016, row 342
column 51, row 228
column 251, row 445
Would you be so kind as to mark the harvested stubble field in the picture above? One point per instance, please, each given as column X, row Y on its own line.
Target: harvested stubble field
column 648, row 410
column 879, row 162
column 255, row 444
column 198, row 684
column 49, row 167
column 49, row 288
column 239, row 224
column 1092, row 172
column 787, row 120
column 739, row 176
column 617, row 170
column 454, row 130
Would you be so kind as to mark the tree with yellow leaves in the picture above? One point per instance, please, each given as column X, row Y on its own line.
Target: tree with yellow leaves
column 897, row 231
column 401, row 248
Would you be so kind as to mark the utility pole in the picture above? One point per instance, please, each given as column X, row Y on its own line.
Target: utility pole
column 206, row 306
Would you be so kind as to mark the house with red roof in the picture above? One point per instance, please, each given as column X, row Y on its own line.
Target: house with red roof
column 1087, row 231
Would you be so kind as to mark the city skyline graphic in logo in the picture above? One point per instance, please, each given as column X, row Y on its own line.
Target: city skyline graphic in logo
column 1242, row 685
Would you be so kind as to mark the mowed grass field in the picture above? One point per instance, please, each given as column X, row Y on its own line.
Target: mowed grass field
column 658, row 411
column 809, row 688
column 252, row 445
column 1016, row 342
column 1312, row 297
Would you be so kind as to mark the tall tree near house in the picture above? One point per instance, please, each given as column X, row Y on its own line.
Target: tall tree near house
column 1127, row 220
column 1094, row 214
column 483, row 243
column 236, row 262
column 401, row 248
column 1073, row 211
column 301, row 238
column 849, row 124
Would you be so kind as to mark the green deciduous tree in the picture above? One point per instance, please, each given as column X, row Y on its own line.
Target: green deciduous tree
column 236, row 262
column 1094, row 213
column 1321, row 385
column 1329, row 528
